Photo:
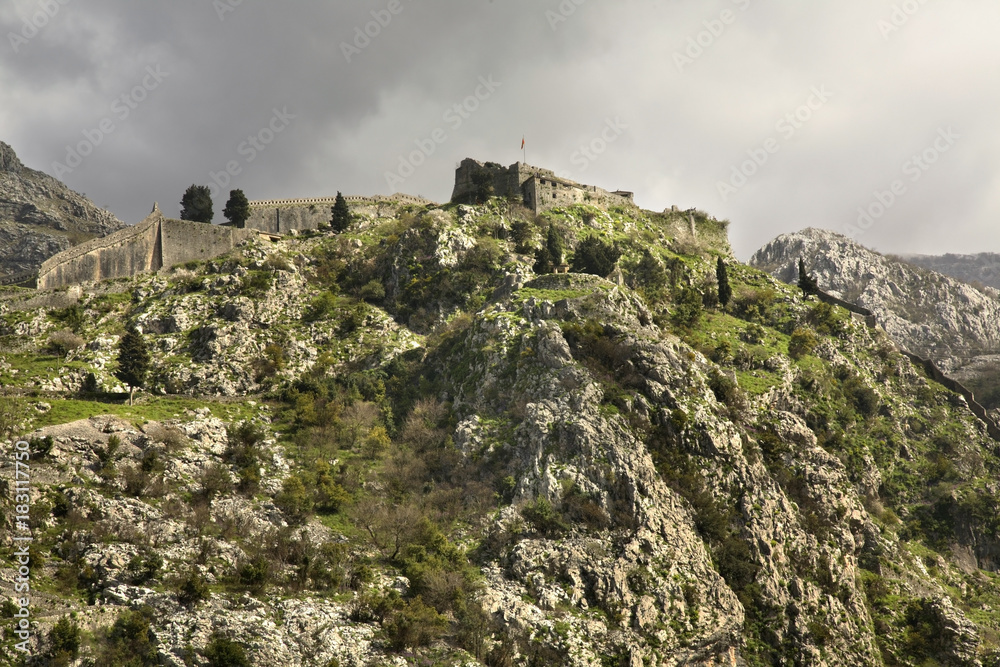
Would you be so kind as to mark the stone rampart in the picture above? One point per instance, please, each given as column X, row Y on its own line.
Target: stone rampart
column 280, row 216
column 146, row 247
column 125, row 252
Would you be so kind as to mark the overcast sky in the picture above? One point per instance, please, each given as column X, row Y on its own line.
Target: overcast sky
column 830, row 102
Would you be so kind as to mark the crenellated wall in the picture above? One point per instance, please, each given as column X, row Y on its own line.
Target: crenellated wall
column 146, row 247
column 280, row 216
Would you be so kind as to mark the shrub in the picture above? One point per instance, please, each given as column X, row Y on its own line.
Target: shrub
column 293, row 499
column 544, row 518
column 802, row 342
column 320, row 307
column 650, row 274
column 824, row 319
column 64, row 641
column 521, row 233
column 62, row 343
column 254, row 574
column 129, row 642
column 485, row 256
column 72, row 316
column 224, row 652
column 192, row 588
column 413, row 625
column 687, row 307
column 215, row 480
column 143, row 568
column 373, row 291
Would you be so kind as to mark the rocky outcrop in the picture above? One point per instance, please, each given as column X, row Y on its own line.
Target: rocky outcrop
column 929, row 314
column 39, row 216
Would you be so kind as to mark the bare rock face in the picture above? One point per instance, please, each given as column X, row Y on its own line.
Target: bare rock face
column 927, row 313
column 39, row 216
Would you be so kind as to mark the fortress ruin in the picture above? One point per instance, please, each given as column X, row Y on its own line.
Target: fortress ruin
column 539, row 189
column 159, row 242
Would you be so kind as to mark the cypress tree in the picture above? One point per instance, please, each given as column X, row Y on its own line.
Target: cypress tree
column 554, row 246
column 196, row 204
column 722, row 276
column 341, row 219
column 807, row 283
column 133, row 360
column 237, row 209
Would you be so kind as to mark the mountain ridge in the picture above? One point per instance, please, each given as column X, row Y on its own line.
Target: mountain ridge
column 40, row 216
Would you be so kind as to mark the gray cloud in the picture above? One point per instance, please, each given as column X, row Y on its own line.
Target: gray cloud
column 565, row 73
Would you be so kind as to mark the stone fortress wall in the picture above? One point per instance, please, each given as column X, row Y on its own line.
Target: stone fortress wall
column 146, row 247
column 159, row 242
column 280, row 216
column 539, row 189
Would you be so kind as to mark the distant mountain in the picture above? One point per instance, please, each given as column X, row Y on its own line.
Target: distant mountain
column 928, row 313
column 983, row 268
column 39, row 216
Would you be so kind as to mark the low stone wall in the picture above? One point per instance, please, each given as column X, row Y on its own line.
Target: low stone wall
column 152, row 244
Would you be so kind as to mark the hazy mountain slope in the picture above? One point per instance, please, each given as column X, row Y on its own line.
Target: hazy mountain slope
column 927, row 313
column 447, row 459
column 981, row 267
column 39, row 216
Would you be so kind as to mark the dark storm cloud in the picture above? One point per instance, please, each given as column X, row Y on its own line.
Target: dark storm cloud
column 663, row 98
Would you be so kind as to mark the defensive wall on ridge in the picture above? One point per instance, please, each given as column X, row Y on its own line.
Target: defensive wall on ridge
column 280, row 216
column 929, row 367
column 155, row 243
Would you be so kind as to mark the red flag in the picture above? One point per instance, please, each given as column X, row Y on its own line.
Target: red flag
column 522, row 143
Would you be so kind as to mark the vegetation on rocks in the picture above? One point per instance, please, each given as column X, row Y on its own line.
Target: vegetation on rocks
column 401, row 443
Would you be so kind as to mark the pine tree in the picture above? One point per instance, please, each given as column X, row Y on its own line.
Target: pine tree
column 133, row 360
column 237, row 209
column 341, row 219
column 807, row 283
column 595, row 256
column 722, row 276
column 197, row 204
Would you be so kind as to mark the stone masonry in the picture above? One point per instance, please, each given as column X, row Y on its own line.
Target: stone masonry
column 155, row 243
column 539, row 189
